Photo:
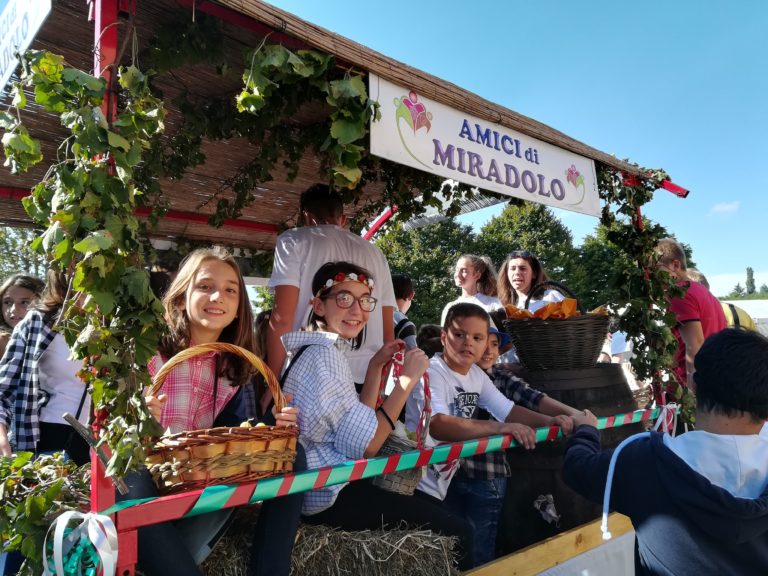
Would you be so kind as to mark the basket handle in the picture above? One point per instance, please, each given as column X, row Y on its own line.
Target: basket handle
column 191, row 352
column 560, row 288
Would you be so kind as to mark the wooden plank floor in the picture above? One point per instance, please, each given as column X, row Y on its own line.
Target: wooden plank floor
column 553, row 551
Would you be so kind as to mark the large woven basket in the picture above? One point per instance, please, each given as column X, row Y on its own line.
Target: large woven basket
column 200, row 458
column 558, row 344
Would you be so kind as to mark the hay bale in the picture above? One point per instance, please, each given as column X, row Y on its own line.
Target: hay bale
column 323, row 551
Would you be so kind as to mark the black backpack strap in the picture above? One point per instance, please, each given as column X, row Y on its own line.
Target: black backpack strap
column 734, row 315
column 405, row 328
column 267, row 417
column 293, row 361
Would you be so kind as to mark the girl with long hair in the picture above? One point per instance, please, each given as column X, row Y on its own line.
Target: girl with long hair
column 208, row 302
column 17, row 294
column 476, row 277
column 518, row 275
column 39, row 381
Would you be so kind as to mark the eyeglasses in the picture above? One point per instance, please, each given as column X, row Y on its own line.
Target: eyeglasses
column 345, row 300
column 520, row 254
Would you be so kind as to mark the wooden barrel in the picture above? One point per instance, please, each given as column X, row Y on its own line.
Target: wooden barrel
column 604, row 390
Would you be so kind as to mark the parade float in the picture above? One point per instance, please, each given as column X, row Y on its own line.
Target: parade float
column 202, row 122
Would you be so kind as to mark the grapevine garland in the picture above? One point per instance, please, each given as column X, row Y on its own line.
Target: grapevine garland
column 645, row 289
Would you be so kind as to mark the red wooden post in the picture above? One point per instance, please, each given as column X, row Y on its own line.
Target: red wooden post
column 104, row 14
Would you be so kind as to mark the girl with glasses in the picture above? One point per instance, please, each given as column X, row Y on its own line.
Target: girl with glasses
column 337, row 425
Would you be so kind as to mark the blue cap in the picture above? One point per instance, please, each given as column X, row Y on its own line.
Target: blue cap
column 504, row 338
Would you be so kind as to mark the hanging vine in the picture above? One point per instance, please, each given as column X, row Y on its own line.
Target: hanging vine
column 277, row 83
column 645, row 289
column 86, row 204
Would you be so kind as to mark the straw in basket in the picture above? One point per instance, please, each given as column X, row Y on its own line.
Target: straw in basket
column 404, row 481
column 199, row 458
column 558, row 344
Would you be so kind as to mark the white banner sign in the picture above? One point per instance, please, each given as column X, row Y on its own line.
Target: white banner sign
column 19, row 22
column 432, row 137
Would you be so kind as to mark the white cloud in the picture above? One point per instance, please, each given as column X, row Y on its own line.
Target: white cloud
column 726, row 207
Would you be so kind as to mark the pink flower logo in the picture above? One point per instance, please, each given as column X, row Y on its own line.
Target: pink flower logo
column 574, row 177
column 415, row 115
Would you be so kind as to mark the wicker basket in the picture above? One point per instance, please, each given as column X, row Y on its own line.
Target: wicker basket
column 200, row 458
column 558, row 344
column 405, row 481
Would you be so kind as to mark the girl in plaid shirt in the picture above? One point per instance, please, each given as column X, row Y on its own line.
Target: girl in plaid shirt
column 337, row 425
column 208, row 302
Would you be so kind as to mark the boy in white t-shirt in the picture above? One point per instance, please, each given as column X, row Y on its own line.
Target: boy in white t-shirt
column 458, row 388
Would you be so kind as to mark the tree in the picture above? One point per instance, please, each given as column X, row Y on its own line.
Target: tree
column 427, row 255
column 750, row 281
column 737, row 292
column 16, row 256
column 599, row 260
column 763, row 289
column 533, row 227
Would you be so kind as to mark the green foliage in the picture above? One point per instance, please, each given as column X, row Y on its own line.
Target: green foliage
column 86, row 206
column 16, row 256
column 642, row 289
column 428, row 255
column 750, row 281
column 33, row 491
column 737, row 292
column 599, row 258
column 278, row 82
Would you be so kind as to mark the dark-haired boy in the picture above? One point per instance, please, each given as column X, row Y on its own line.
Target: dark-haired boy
column 699, row 501
column 404, row 329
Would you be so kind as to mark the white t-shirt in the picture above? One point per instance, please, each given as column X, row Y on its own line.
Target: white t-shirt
column 546, row 298
column 58, row 377
column 487, row 303
column 300, row 252
column 458, row 395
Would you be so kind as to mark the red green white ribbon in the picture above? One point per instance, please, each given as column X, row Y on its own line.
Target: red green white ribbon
column 216, row 497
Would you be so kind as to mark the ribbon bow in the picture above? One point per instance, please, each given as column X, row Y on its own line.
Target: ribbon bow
column 80, row 550
column 667, row 420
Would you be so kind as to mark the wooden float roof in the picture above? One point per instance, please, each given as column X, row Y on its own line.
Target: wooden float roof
column 68, row 32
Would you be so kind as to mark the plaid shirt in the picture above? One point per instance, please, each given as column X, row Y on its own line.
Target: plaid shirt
column 335, row 426
column 21, row 396
column 189, row 388
column 494, row 465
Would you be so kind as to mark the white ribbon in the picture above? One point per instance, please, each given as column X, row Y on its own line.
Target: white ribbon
column 667, row 420
column 101, row 532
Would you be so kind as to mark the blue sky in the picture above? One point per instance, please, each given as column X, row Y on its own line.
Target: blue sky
column 676, row 85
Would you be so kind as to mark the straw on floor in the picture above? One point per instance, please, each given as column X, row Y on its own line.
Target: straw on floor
column 321, row 551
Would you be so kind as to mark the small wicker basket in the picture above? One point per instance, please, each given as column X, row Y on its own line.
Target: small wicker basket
column 200, row 458
column 558, row 344
column 405, row 481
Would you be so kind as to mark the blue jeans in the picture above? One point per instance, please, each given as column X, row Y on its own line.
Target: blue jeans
column 479, row 502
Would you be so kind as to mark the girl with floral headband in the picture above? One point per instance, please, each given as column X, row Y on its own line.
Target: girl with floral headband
column 337, row 425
